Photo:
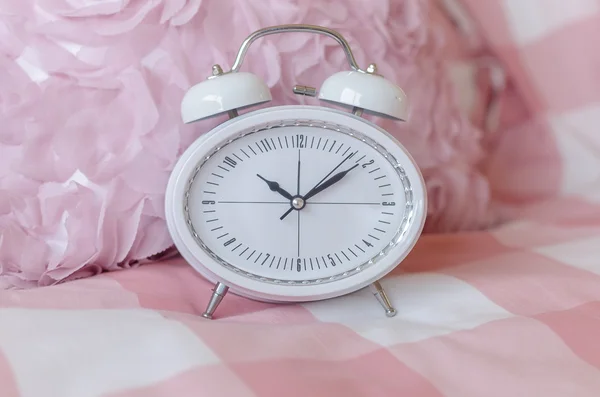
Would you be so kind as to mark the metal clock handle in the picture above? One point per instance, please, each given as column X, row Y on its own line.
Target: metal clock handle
column 294, row 28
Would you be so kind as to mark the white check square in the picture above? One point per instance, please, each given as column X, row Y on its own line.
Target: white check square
column 531, row 20
column 428, row 305
column 88, row 353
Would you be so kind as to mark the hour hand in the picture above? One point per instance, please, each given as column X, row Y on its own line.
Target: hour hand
column 274, row 186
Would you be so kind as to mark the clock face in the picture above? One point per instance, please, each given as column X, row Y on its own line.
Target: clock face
column 300, row 201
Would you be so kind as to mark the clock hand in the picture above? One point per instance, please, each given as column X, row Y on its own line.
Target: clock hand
column 331, row 172
column 298, row 181
column 334, row 179
column 274, row 186
column 298, row 193
column 317, row 185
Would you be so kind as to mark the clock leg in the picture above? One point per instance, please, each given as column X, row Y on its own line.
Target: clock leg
column 218, row 293
column 383, row 299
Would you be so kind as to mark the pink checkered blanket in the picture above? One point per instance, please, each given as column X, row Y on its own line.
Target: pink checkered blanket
column 514, row 311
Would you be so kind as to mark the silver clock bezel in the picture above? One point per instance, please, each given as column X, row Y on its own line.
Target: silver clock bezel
column 408, row 213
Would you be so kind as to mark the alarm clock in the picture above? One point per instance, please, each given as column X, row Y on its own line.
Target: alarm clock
column 295, row 203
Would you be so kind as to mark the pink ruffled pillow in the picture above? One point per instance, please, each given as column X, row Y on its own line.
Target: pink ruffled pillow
column 90, row 95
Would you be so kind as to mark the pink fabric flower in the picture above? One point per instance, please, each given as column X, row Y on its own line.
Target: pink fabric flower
column 90, row 95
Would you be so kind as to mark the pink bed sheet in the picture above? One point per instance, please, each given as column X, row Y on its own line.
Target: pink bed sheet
column 510, row 312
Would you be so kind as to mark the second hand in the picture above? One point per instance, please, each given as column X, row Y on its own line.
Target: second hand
column 310, row 192
column 298, row 193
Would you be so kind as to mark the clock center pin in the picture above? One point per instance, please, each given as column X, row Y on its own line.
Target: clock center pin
column 298, row 203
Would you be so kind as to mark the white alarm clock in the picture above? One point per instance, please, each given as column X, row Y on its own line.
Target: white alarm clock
column 295, row 203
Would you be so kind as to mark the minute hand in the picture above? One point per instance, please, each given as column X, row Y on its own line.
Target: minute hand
column 317, row 185
column 334, row 179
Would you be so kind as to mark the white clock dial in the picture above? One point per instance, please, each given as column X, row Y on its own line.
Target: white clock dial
column 241, row 216
column 297, row 202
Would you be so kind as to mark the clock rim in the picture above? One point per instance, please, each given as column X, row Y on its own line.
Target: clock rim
column 241, row 285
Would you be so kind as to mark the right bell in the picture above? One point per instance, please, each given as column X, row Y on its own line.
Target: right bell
column 368, row 91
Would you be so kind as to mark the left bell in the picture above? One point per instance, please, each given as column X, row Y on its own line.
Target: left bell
column 223, row 93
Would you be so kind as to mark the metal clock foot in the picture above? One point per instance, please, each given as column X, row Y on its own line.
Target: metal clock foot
column 218, row 293
column 383, row 299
